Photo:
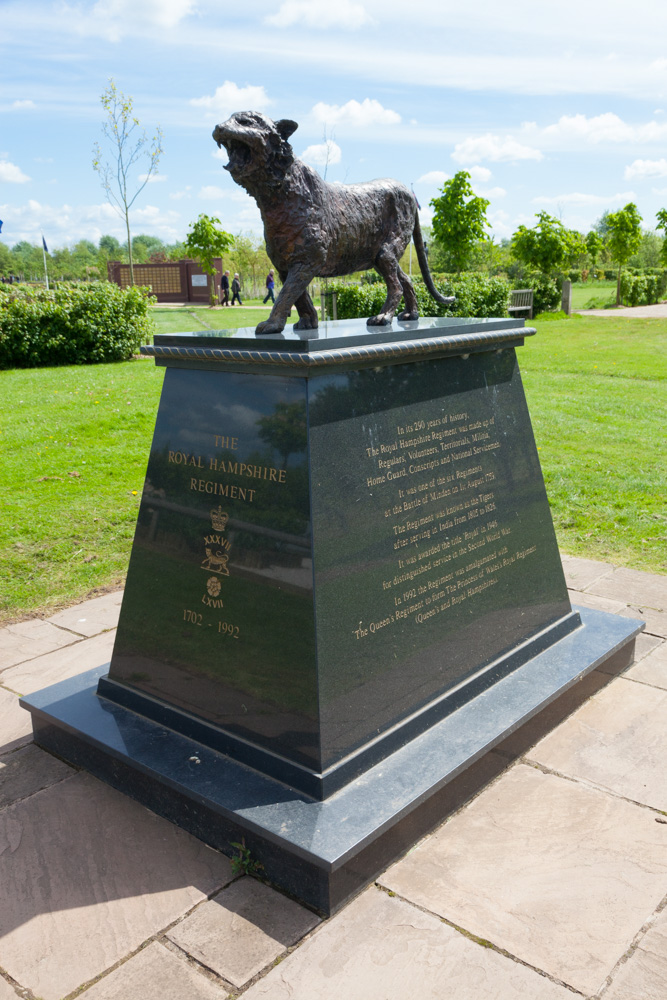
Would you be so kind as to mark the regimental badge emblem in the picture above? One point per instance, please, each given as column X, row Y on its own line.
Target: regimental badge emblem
column 219, row 519
column 216, row 545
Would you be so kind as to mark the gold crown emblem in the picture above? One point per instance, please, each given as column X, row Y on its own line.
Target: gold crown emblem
column 219, row 518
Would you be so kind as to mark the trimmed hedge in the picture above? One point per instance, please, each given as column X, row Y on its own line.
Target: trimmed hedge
column 643, row 289
column 72, row 325
column 476, row 295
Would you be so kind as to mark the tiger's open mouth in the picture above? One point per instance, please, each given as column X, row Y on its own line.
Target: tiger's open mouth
column 239, row 152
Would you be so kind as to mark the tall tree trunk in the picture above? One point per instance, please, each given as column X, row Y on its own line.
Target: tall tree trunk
column 618, row 286
column 129, row 247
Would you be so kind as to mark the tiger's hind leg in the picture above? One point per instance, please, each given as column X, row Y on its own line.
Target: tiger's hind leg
column 411, row 310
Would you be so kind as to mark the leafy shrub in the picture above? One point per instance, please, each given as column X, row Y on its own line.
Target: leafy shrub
column 643, row 289
column 611, row 274
column 72, row 325
column 476, row 295
column 546, row 292
column 575, row 276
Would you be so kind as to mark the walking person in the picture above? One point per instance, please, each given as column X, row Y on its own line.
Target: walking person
column 236, row 290
column 224, row 289
column 270, row 285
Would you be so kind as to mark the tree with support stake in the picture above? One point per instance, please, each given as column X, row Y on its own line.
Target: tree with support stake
column 128, row 144
column 624, row 238
column 204, row 243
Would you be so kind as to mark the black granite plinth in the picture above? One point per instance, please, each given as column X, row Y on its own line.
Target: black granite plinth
column 320, row 852
column 331, row 558
column 344, row 588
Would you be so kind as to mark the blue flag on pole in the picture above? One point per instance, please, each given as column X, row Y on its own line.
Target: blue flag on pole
column 46, row 249
column 0, row 225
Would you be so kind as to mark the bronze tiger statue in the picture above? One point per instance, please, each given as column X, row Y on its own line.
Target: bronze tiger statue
column 316, row 229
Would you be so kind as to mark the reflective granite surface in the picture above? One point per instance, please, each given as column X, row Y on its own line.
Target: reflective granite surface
column 344, row 333
column 317, row 560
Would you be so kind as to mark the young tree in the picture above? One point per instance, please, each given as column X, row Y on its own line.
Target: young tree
column 661, row 216
column 205, row 242
column 624, row 239
column 128, row 145
column 594, row 246
column 459, row 222
column 548, row 247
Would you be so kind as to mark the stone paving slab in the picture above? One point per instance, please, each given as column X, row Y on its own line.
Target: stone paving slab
column 33, row 675
column 7, row 992
column 381, row 948
column 26, row 640
column 616, row 741
column 87, row 875
column 656, row 621
column 27, row 771
column 15, row 723
column 155, row 973
column 597, row 603
column 644, row 975
column 91, row 617
column 243, row 930
column 631, row 586
column 651, row 669
column 558, row 874
column 580, row 573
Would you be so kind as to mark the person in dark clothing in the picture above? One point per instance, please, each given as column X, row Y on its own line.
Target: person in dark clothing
column 236, row 290
column 224, row 289
column 270, row 285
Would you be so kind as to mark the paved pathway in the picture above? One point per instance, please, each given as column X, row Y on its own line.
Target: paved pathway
column 658, row 311
column 550, row 884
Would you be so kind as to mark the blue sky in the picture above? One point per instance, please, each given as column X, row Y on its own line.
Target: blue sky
column 555, row 106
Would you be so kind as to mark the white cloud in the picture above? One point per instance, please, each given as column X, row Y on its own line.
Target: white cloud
column 178, row 195
column 604, row 128
column 65, row 224
column 230, row 98
column 324, row 154
column 344, row 14
column 163, row 13
column 577, row 198
column 493, row 147
column 494, row 192
column 433, row 177
column 11, row 174
column 153, row 178
column 480, row 175
column 642, row 169
column 360, row 115
column 211, row 191
column 23, row 105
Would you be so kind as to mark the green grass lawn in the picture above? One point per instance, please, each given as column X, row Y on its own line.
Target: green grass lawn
column 75, row 443
column 593, row 294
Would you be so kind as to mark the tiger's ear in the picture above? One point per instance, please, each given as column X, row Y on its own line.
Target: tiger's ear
column 286, row 127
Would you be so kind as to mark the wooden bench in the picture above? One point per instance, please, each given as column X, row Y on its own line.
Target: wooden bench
column 521, row 300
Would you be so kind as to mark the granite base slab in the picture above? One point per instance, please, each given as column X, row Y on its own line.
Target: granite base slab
column 321, row 852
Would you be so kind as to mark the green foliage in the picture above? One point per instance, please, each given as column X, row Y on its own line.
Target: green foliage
column 546, row 293
column 243, row 863
column 476, row 295
column 548, row 247
column 72, row 325
column 459, row 220
column 642, row 289
column 594, row 246
column 624, row 238
column 205, row 242
column 661, row 216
